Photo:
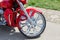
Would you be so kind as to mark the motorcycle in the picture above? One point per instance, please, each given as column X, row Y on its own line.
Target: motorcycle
column 30, row 21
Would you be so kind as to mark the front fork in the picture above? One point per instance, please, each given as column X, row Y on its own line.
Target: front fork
column 22, row 8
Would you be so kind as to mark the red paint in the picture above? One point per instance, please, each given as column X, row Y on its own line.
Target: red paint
column 13, row 20
column 33, row 9
column 6, row 4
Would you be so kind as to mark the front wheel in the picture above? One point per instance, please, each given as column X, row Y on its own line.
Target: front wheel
column 33, row 31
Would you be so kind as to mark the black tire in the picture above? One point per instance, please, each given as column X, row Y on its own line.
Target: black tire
column 44, row 20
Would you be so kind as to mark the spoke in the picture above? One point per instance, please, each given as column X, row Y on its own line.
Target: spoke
column 38, row 18
column 31, row 12
column 40, row 25
column 24, row 25
column 28, row 30
column 35, row 30
column 32, row 18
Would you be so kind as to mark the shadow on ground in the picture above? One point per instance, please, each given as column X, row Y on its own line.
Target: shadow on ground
column 6, row 34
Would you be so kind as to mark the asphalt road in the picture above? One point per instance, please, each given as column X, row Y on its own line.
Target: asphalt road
column 52, row 32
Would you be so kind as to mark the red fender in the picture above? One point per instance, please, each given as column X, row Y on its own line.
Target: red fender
column 34, row 10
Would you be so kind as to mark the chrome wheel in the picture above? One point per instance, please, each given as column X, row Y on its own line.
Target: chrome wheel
column 30, row 30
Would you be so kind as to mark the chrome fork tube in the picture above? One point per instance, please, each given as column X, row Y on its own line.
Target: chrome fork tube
column 22, row 7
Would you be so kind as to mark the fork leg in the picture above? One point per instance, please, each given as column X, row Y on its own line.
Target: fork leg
column 22, row 7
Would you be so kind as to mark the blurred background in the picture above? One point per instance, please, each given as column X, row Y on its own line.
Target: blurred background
column 49, row 4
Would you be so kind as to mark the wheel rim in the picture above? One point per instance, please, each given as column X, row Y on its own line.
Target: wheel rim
column 33, row 30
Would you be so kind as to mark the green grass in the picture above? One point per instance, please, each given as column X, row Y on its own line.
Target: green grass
column 49, row 4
